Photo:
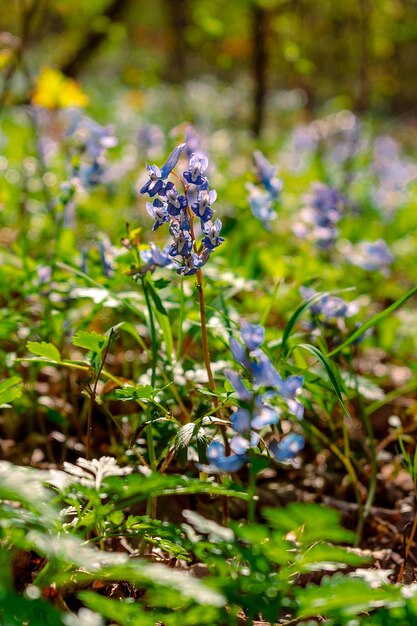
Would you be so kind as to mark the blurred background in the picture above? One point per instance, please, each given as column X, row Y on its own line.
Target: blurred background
column 271, row 56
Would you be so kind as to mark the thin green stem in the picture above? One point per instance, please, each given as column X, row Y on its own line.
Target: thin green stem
column 152, row 502
column 152, row 330
column 252, row 492
column 180, row 321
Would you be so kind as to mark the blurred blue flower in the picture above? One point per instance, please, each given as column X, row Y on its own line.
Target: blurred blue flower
column 252, row 335
column 264, row 416
column 320, row 215
column 262, row 202
column 263, row 371
column 261, row 205
column 329, row 307
column 287, row 448
column 235, row 380
column 371, row 256
column 151, row 137
column 240, row 444
column 266, row 174
column 219, row 462
column 154, row 257
column 241, row 421
column 239, row 353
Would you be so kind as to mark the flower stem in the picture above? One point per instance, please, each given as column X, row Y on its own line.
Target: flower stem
column 152, row 502
column 206, row 355
column 252, row 492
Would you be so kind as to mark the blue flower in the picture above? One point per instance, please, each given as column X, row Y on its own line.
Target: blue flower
column 173, row 207
column 239, row 353
column 183, row 243
column 252, row 335
column 320, row 216
column 289, row 388
column 266, row 375
column 296, row 408
column 155, row 258
column 197, row 165
column 267, row 174
column 175, row 202
column 372, row 256
column 155, row 183
column 241, row 421
column 212, row 231
column 202, row 207
column 192, row 264
column 263, row 371
column 261, row 205
column 329, row 307
column 234, row 379
column 264, row 416
column 287, row 449
column 240, row 445
column 158, row 211
column 150, row 137
column 219, row 462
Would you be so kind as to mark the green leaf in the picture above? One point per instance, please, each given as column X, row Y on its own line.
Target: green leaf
column 155, row 297
column 10, row 389
column 90, row 341
column 310, row 522
column 141, row 392
column 165, row 325
column 136, row 488
column 322, row 553
column 161, row 283
column 342, row 596
column 331, row 372
column 118, row 611
column 43, row 349
column 296, row 315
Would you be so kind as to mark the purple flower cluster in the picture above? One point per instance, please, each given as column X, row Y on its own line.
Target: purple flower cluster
column 329, row 308
column 320, row 216
column 90, row 142
column 371, row 255
column 180, row 208
column 262, row 201
column 255, row 411
column 395, row 174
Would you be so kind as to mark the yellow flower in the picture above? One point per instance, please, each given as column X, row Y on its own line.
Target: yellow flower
column 54, row 91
